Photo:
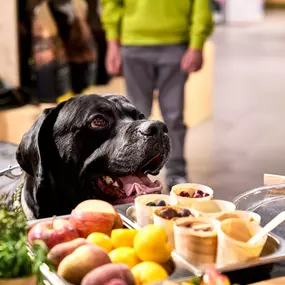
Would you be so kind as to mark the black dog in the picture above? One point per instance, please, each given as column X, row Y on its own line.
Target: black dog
column 90, row 147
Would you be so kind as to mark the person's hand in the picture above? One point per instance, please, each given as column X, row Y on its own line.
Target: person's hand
column 192, row 60
column 113, row 58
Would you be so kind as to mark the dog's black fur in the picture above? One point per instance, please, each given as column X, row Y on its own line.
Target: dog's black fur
column 64, row 151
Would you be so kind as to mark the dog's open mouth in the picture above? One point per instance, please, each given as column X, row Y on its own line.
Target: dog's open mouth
column 125, row 189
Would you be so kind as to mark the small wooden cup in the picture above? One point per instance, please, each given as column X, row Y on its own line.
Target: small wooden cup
column 197, row 247
column 233, row 248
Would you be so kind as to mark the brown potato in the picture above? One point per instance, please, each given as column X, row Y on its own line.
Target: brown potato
column 81, row 261
column 60, row 251
column 108, row 272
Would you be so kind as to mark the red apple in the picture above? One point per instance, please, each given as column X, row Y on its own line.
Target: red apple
column 94, row 216
column 53, row 232
column 118, row 222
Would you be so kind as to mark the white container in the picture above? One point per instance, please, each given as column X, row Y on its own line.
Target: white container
column 233, row 235
column 144, row 214
column 213, row 208
column 190, row 188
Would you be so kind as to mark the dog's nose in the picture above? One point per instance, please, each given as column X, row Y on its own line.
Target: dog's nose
column 151, row 128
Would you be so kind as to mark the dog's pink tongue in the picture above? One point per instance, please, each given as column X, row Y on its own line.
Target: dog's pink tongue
column 140, row 184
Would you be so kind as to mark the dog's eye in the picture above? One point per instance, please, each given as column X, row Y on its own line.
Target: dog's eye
column 141, row 116
column 98, row 122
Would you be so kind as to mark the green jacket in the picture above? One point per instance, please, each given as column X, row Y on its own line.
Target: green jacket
column 156, row 22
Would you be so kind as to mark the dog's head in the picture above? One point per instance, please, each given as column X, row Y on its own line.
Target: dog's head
column 92, row 147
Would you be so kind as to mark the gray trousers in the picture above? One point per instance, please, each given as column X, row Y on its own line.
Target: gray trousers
column 146, row 68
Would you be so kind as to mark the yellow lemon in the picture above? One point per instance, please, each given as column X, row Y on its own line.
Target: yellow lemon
column 101, row 240
column 148, row 272
column 151, row 244
column 123, row 237
column 126, row 255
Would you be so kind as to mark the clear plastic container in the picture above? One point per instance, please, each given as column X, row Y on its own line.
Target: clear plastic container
column 267, row 201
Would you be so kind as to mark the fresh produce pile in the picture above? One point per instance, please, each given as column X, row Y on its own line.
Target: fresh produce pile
column 15, row 260
column 89, row 248
column 92, row 247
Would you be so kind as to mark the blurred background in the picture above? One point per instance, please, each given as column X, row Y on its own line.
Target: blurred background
column 234, row 106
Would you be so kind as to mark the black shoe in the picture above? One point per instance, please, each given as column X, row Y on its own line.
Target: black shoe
column 174, row 180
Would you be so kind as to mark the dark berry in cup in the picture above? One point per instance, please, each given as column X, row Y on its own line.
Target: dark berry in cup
column 184, row 213
column 161, row 203
column 152, row 204
column 168, row 213
column 199, row 192
column 206, row 194
column 184, row 194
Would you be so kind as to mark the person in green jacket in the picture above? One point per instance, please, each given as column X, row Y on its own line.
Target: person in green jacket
column 157, row 43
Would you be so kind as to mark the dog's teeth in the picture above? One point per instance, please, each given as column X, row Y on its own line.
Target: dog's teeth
column 108, row 180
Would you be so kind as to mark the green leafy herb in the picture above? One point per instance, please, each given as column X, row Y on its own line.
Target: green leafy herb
column 16, row 260
column 12, row 225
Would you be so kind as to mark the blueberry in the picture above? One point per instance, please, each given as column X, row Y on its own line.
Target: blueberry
column 161, row 203
column 206, row 194
column 151, row 204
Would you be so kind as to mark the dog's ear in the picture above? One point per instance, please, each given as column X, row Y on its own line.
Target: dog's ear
column 36, row 144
